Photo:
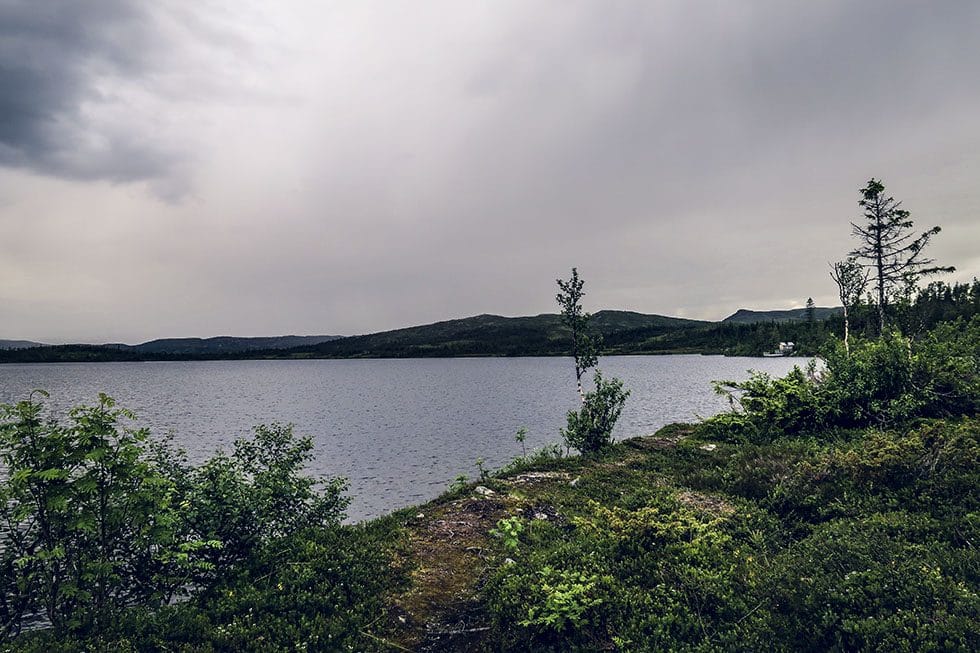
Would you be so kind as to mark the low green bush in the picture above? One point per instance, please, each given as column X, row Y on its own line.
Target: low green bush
column 666, row 576
column 589, row 428
column 117, row 543
column 886, row 582
column 880, row 382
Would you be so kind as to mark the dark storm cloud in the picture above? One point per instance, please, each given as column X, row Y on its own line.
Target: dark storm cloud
column 61, row 111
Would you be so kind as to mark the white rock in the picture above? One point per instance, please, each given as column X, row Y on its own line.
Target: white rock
column 709, row 447
column 485, row 491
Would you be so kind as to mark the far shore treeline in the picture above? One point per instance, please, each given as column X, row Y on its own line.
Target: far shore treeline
column 744, row 333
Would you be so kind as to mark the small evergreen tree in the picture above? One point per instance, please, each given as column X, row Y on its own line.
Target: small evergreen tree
column 889, row 248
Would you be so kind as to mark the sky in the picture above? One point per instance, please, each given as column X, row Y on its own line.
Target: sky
column 202, row 168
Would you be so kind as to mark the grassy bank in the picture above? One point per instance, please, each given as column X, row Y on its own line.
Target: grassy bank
column 865, row 541
column 678, row 541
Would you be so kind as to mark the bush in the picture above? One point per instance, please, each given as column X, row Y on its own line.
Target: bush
column 664, row 576
column 256, row 496
column 932, row 467
column 881, row 583
column 590, row 428
column 101, row 528
column 90, row 524
column 882, row 383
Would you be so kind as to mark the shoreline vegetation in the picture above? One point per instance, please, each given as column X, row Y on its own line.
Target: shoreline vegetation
column 838, row 513
column 744, row 333
column 827, row 510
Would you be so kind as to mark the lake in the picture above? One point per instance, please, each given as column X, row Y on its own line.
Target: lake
column 399, row 430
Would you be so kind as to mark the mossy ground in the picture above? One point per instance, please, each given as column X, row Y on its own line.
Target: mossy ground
column 451, row 548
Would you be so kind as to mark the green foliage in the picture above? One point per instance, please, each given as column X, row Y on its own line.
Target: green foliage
column 318, row 590
column 509, row 532
column 930, row 468
column 481, row 467
column 886, row 582
column 861, row 541
column 101, row 529
column 881, row 382
column 590, row 428
column 256, row 496
column 519, row 438
column 89, row 523
column 773, row 406
column 654, row 577
column 584, row 347
column 567, row 598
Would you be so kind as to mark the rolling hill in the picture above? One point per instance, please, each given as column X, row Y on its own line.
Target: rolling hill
column 223, row 344
column 488, row 335
column 19, row 344
column 746, row 316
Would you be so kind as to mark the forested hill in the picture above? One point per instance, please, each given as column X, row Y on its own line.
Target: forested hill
column 481, row 335
column 162, row 349
column 18, row 344
column 746, row 316
column 490, row 335
column 223, row 344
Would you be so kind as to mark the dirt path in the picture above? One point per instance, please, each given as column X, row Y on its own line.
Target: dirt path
column 440, row 611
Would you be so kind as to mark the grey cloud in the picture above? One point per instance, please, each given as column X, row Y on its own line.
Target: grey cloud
column 82, row 83
column 53, row 54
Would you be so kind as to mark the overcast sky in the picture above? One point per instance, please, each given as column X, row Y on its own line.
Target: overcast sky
column 199, row 168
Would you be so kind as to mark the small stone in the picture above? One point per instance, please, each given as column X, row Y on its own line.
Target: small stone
column 575, row 481
column 509, row 561
column 484, row 491
column 419, row 516
column 540, row 515
column 709, row 447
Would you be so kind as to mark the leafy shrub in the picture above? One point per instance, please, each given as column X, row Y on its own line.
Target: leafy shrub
column 773, row 406
column 101, row 529
column 882, row 382
column 257, row 496
column 660, row 577
column 932, row 467
column 590, row 428
column 89, row 524
column 319, row 591
column 509, row 532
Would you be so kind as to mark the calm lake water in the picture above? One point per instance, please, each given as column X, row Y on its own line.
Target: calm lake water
column 399, row 430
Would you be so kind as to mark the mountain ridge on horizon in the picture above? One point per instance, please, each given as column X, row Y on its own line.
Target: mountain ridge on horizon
column 603, row 320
